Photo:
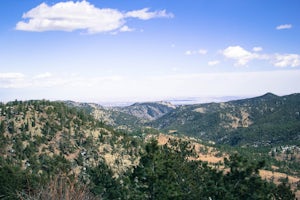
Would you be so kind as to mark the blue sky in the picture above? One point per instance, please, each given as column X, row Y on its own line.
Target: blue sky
column 141, row 50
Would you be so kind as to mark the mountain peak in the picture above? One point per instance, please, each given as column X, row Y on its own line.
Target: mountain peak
column 148, row 110
column 269, row 95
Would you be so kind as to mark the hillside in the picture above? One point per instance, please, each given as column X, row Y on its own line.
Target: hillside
column 56, row 150
column 259, row 121
column 132, row 118
column 147, row 111
column 36, row 133
column 110, row 116
column 268, row 125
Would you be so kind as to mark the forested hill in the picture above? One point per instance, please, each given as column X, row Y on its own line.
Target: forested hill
column 264, row 120
column 49, row 150
column 109, row 115
column 130, row 118
column 147, row 111
column 32, row 130
column 43, row 139
column 260, row 121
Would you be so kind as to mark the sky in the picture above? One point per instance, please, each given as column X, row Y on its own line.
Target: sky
column 146, row 50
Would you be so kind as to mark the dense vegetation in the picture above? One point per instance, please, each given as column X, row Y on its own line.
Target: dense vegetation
column 41, row 139
column 167, row 173
column 261, row 121
column 51, row 151
column 163, row 173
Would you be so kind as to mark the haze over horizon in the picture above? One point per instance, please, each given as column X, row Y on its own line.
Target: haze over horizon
column 105, row 51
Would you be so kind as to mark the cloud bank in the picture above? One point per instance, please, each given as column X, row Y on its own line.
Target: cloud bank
column 71, row 16
column 110, row 87
column 47, row 80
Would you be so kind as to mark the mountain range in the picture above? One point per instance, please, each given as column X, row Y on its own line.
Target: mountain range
column 259, row 121
column 107, row 148
column 263, row 120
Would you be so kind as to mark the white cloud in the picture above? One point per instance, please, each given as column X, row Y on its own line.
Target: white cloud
column 126, row 29
column 257, row 49
column 188, row 52
column 44, row 75
column 195, row 52
column 12, row 80
column 47, row 80
column 144, row 14
column 284, row 26
column 242, row 57
column 286, row 60
column 71, row 16
column 213, row 62
column 239, row 54
column 7, row 76
column 202, row 51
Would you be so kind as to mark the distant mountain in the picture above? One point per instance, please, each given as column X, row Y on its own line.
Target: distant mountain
column 129, row 118
column 262, row 120
column 259, row 121
column 147, row 111
column 109, row 115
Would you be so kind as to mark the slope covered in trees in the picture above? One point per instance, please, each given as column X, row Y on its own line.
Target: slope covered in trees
column 171, row 173
column 147, row 111
column 51, row 151
column 41, row 139
column 259, row 121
